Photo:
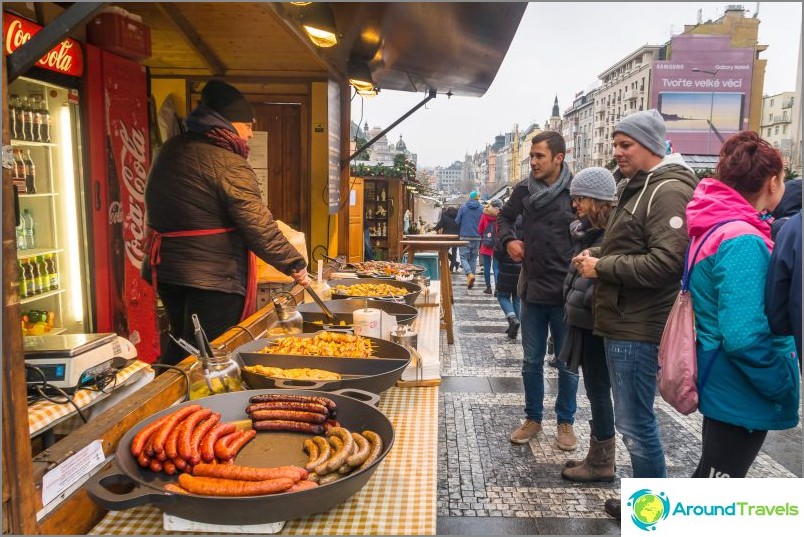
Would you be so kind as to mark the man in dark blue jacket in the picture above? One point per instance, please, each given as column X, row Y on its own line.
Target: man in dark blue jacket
column 783, row 284
column 469, row 218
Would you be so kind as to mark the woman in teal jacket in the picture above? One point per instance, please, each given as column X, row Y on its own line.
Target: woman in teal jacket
column 748, row 379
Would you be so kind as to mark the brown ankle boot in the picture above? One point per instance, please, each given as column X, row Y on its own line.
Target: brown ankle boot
column 597, row 466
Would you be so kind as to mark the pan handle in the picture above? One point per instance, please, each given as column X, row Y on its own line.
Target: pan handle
column 361, row 395
column 300, row 384
column 98, row 490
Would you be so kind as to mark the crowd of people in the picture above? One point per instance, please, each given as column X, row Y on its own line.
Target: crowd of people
column 595, row 260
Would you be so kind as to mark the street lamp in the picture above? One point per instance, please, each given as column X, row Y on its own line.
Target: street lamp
column 711, row 105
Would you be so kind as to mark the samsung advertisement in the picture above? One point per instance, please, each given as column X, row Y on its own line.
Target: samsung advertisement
column 703, row 92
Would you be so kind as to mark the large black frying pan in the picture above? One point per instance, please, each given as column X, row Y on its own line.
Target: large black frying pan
column 371, row 374
column 343, row 310
column 359, row 267
column 413, row 289
column 265, row 450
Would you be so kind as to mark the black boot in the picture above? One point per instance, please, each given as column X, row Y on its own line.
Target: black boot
column 612, row 507
column 513, row 327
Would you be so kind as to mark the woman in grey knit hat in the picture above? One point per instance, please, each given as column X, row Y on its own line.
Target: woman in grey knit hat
column 593, row 192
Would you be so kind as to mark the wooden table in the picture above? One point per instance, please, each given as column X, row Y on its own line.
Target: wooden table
column 442, row 247
column 431, row 237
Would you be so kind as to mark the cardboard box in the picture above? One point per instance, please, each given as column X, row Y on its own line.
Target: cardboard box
column 120, row 35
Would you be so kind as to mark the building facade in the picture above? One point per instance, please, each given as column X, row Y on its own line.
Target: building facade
column 578, row 130
column 777, row 123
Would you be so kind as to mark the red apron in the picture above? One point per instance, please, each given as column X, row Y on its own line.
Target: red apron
column 250, row 305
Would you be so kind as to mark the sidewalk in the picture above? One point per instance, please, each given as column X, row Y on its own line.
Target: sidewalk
column 487, row 485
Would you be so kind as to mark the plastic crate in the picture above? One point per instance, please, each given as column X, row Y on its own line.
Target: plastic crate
column 429, row 261
column 121, row 35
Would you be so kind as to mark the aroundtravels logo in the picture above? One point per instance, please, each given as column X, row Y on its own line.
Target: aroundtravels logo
column 648, row 508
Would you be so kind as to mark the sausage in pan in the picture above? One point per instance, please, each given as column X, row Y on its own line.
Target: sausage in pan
column 186, row 433
column 288, row 405
column 304, row 484
column 155, row 466
column 198, row 435
column 208, row 443
column 222, row 444
column 140, row 439
column 237, row 444
column 173, row 420
column 311, row 449
column 172, row 487
column 169, row 467
column 323, row 453
column 286, row 425
column 214, row 486
column 362, row 453
column 171, row 444
column 291, row 415
column 338, row 459
column 268, row 398
column 248, row 473
column 374, row 452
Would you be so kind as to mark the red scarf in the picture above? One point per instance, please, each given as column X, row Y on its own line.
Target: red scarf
column 228, row 140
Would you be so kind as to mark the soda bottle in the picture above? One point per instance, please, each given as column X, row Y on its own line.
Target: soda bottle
column 27, row 120
column 44, row 279
column 30, row 172
column 19, row 170
column 23, row 281
column 37, row 277
column 13, row 116
column 36, row 118
column 20, row 119
column 52, row 272
column 30, row 278
column 45, row 125
column 29, row 229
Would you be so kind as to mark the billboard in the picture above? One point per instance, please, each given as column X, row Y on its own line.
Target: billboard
column 703, row 92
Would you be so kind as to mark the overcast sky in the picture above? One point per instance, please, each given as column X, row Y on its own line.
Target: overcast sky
column 580, row 41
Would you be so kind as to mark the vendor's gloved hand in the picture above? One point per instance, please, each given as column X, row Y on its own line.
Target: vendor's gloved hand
column 301, row 277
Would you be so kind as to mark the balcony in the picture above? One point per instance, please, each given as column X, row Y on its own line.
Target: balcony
column 631, row 95
column 781, row 119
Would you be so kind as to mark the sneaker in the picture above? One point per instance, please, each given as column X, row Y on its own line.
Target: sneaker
column 487, row 291
column 529, row 429
column 470, row 280
column 566, row 437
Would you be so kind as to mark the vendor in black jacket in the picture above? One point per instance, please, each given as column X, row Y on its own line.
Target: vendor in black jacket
column 207, row 220
column 543, row 200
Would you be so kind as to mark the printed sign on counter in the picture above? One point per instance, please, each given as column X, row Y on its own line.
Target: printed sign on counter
column 66, row 474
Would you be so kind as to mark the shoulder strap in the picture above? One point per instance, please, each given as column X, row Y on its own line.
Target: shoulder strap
column 655, row 190
column 685, row 278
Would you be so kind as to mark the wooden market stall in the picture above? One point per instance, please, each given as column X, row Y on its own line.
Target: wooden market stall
column 302, row 95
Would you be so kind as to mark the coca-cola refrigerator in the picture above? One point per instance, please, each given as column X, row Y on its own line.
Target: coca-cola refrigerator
column 119, row 159
column 52, row 227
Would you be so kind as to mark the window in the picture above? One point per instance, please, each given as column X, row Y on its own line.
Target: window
column 771, row 103
column 770, row 118
column 769, row 131
column 777, row 129
column 784, row 129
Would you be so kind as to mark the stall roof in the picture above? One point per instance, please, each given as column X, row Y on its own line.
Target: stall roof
column 409, row 46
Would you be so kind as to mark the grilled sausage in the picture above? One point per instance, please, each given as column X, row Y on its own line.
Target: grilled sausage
column 236, row 444
column 214, row 486
column 290, row 415
column 182, row 465
column 304, row 484
column 338, row 459
column 141, row 438
column 311, row 449
column 363, row 447
column 374, row 452
column 172, row 487
column 155, row 466
column 173, row 420
column 286, row 425
column 169, row 467
column 323, row 453
column 208, row 443
column 329, row 478
column 144, row 460
column 198, row 435
column 248, row 473
column 171, row 444
column 288, row 405
column 222, row 444
column 269, row 398
column 186, row 433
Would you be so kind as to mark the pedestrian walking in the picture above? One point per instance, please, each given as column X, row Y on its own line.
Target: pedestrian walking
column 488, row 237
column 593, row 191
column 747, row 377
column 468, row 219
column 447, row 225
column 543, row 200
column 783, row 284
column 506, row 282
column 639, row 266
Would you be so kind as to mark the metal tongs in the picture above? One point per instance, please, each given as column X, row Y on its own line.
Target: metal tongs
column 324, row 308
column 206, row 352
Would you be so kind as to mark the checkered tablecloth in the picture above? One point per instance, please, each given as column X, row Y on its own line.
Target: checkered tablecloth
column 44, row 413
column 399, row 499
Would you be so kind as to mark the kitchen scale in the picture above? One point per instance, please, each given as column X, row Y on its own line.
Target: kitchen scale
column 73, row 360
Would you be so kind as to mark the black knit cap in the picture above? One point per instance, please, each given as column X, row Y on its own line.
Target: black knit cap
column 227, row 101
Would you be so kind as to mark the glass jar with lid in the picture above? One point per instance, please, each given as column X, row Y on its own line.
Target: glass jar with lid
column 288, row 319
column 217, row 374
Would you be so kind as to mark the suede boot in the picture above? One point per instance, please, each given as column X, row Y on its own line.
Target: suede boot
column 598, row 465
column 612, row 508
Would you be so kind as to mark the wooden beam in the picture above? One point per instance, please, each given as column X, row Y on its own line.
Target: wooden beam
column 19, row 510
column 186, row 30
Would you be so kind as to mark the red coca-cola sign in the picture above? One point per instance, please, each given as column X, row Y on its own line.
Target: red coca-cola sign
column 66, row 57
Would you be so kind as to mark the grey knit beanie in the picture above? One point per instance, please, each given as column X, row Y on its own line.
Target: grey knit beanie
column 647, row 128
column 597, row 183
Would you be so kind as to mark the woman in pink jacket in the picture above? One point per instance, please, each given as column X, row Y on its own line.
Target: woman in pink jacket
column 488, row 235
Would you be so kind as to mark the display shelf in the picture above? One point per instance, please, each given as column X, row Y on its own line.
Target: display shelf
column 36, row 252
column 40, row 296
column 26, row 143
column 39, row 195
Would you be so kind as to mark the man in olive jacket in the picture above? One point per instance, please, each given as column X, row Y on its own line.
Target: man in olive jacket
column 206, row 215
column 639, row 267
column 543, row 200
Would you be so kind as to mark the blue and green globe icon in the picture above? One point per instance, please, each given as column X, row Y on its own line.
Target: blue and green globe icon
column 648, row 508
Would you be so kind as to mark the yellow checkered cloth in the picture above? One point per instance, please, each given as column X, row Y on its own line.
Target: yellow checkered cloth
column 43, row 413
column 399, row 499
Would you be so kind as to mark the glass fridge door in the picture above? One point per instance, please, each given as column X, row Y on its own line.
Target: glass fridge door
column 51, row 238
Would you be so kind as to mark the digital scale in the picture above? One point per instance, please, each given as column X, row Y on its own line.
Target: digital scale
column 72, row 360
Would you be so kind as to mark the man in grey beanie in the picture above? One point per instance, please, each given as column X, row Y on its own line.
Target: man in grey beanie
column 638, row 267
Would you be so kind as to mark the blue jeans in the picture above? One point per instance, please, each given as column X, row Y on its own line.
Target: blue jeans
column 469, row 253
column 487, row 268
column 632, row 371
column 535, row 320
column 509, row 302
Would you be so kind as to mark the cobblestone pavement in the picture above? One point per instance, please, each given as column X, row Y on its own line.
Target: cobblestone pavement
column 487, row 485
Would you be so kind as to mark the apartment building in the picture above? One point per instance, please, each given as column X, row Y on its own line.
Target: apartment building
column 578, row 127
column 777, row 122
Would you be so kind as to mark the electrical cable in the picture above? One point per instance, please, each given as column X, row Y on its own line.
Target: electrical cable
column 47, row 386
column 180, row 370
column 244, row 329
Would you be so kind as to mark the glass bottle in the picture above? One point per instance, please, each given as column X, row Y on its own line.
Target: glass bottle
column 30, row 172
column 52, row 272
column 29, row 277
column 30, row 241
column 21, row 244
column 23, row 280
column 36, row 118
column 288, row 319
column 44, row 279
column 13, row 117
column 27, row 120
column 45, row 126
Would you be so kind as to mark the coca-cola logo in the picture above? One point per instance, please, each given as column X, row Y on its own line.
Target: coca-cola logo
column 66, row 57
column 132, row 159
